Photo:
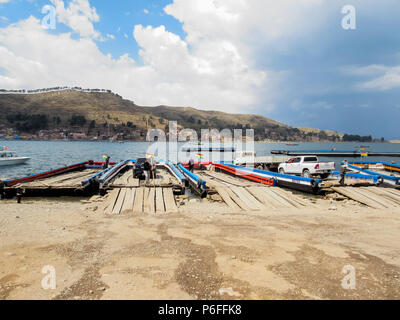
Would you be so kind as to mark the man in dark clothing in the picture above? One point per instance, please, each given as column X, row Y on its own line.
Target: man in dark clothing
column 191, row 165
column 106, row 162
column 146, row 171
column 343, row 169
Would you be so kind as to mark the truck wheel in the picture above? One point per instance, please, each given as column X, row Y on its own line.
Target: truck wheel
column 260, row 167
column 325, row 175
column 281, row 171
column 306, row 173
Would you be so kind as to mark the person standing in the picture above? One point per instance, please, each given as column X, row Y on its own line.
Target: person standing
column 154, row 171
column 191, row 165
column 146, row 171
column 106, row 161
column 343, row 170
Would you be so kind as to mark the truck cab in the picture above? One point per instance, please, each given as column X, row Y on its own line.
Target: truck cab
column 246, row 158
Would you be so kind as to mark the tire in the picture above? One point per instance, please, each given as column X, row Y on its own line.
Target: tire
column 324, row 175
column 306, row 173
column 260, row 167
column 281, row 171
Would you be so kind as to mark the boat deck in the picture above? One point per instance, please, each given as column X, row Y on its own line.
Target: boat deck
column 71, row 180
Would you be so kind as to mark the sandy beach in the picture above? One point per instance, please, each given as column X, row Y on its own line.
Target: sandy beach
column 207, row 254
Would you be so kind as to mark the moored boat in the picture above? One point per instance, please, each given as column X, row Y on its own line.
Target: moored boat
column 9, row 158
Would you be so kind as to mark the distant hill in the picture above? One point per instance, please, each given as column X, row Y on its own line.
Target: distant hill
column 102, row 113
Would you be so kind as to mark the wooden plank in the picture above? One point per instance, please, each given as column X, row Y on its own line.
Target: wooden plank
column 128, row 203
column 371, row 202
column 288, row 197
column 152, row 200
column 169, row 201
column 295, row 197
column 227, row 199
column 388, row 195
column 248, row 198
column 354, row 196
column 283, row 202
column 263, row 197
column 146, row 200
column 238, row 201
column 134, row 182
column 112, row 198
column 138, row 203
column 375, row 197
column 159, row 201
column 395, row 192
column 119, row 202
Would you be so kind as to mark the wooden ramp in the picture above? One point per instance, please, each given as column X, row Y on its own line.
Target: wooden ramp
column 374, row 197
column 140, row 200
column 260, row 198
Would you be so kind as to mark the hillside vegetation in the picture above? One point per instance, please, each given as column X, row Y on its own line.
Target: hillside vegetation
column 105, row 114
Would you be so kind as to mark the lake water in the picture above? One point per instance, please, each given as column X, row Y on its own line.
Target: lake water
column 48, row 155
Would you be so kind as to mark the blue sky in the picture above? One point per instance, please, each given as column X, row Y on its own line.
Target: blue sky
column 288, row 60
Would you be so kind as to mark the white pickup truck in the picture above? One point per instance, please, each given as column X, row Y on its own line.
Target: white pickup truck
column 307, row 166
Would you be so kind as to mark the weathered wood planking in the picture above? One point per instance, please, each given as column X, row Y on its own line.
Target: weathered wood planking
column 138, row 203
column 169, row 201
column 238, row 201
column 259, row 193
column 282, row 201
column 346, row 191
column 159, row 201
column 128, row 202
column 151, row 200
column 388, row 195
column 250, row 201
column 111, row 201
column 227, row 199
column 288, row 194
column 288, row 197
column 377, row 197
column 119, row 202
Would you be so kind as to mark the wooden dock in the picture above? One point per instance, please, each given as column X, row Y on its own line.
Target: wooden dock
column 244, row 195
column 374, row 197
column 140, row 200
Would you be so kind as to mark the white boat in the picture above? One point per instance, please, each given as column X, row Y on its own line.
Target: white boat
column 9, row 158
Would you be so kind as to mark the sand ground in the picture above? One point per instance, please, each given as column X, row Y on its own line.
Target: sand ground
column 205, row 254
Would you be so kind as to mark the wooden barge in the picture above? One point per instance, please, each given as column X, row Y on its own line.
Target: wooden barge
column 76, row 179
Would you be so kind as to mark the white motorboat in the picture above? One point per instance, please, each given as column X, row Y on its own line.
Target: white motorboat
column 9, row 158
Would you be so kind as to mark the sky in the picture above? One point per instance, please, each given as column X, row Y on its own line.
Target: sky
column 290, row 60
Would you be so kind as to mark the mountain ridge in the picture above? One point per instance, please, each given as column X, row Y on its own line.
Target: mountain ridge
column 100, row 112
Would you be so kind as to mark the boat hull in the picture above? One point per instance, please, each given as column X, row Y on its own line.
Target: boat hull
column 14, row 161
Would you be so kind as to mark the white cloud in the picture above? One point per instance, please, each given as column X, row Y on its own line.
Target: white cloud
column 390, row 79
column 4, row 1
column 212, row 67
column 381, row 77
column 146, row 11
column 79, row 16
column 34, row 58
column 110, row 36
